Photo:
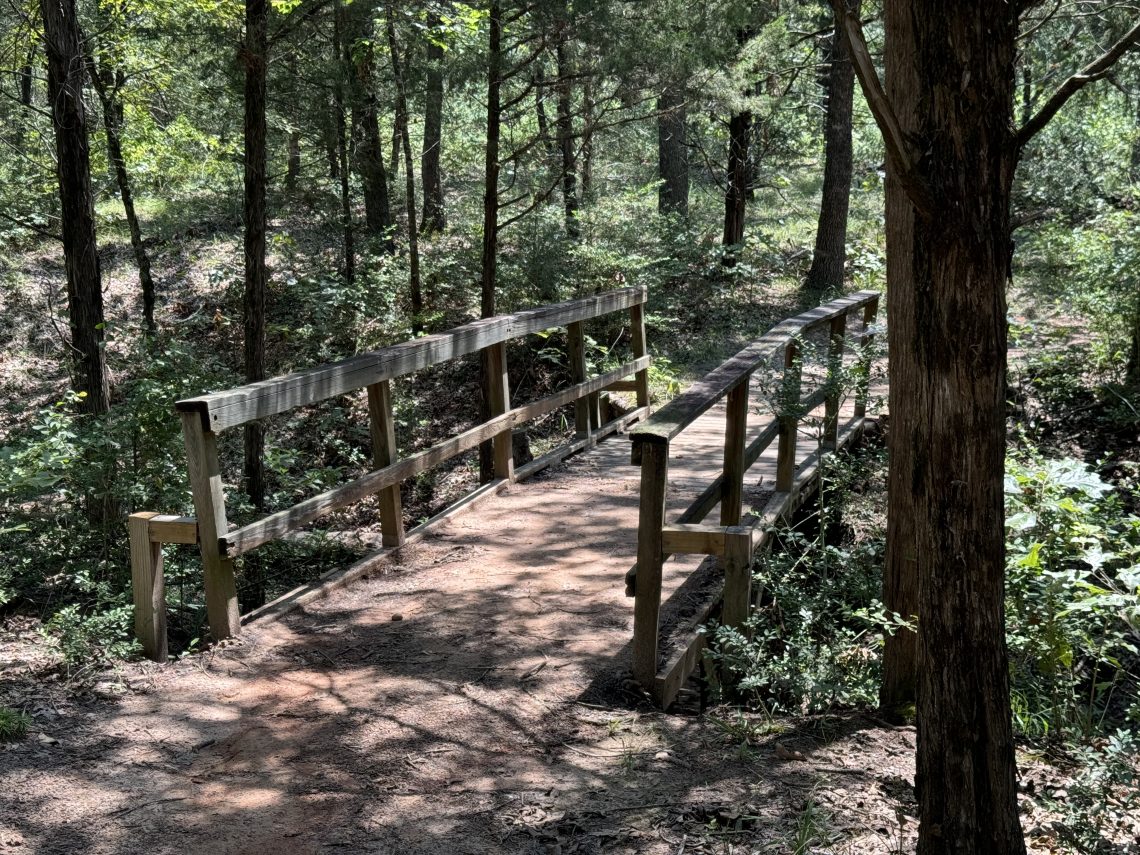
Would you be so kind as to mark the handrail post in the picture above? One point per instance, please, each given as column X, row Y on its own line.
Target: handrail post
column 735, row 429
column 576, row 346
column 640, row 348
column 382, row 427
column 737, row 578
column 650, row 558
column 147, row 586
column 789, row 420
column 500, row 402
column 210, row 510
column 838, row 332
column 870, row 311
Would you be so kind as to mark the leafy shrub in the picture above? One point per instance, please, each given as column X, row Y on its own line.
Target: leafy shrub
column 13, row 724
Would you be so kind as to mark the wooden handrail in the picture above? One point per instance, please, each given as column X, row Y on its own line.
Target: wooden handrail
column 687, row 407
column 232, row 407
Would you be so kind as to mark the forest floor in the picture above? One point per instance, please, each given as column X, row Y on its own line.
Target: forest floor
column 469, row 696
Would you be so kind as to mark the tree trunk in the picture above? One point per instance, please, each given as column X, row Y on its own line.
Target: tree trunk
column 566, row 135
column 339, row 161
column 431, row 179
column 539, row 77
column 672, row 154
column 107, row 86
column 329, row 133
column 255, row 59
column 366, row 124
column 26, row 84
column 736, row 189
column 950, row 73
column 490, row 216
column 409, row 178
column 73, row 165
column 586, row 181
column 293, row 161
column 831, row 235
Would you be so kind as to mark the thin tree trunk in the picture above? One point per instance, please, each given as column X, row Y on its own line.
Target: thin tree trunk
column 947, row 332
column 548, row 143
column 255, row 59
column 830, row 255
column 490, row 215
column 340, row 153
column 566, row 135
column 672, row 154
column 293, row 161
column 107, row 86
column 26, row 83
column 73, row 165
column 409, row 178
column 737, row 184
column 366, row 123
column 431, row 179
column 586, row 182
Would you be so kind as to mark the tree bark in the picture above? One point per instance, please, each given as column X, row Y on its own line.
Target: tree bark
column 431, row 179
column 566, row 133
column 339, row 160
column 73, row 166
column 586, row 170
column 293, row 160
column 672, row 154
column 736, row 190
column 490, row 215
column 950, row 73
column 254, row 56
column 830, row 254
column 107, row 84
column 409, row 178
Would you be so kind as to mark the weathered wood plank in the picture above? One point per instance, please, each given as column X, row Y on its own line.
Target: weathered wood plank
column 168, row 528
column 647, row 602
column 147, row 587
column 693, row 539
column 210, row 511
column 221, row 410
column 789, row 424
column 836, row 345
column 269, row 528
column 499, row 391
column 382, row 429
column 866, row 337
column 576, row 345
column 640, row 349
column 735, row 431
column 683, row 410
column 737, row 577
column 622, row 386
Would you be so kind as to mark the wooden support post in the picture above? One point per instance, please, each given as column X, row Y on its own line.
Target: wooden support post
column 640, row 348
column 737, row 577
column 865, row 339
column 576, row 344
column 383, row 429
column 789, row 421
column 500, row 389
column 210, row 510
column 736, row 426
column 834, row 371
column 147, row 584
column 650, row 557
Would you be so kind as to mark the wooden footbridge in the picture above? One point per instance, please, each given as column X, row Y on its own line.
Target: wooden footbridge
column 709, row 448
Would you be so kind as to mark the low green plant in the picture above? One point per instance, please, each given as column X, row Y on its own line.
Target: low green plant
column 13, row 724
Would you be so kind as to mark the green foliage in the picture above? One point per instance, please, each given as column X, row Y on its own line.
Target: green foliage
column 13, row 724
column 84, row 638
column 1073, row 597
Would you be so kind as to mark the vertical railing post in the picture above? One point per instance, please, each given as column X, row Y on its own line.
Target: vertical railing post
column 210, row 509
column 382, row 427
column 735, row 428
column 789, row 420
column 838, row 334
column 650, row 558
column 640, row 349
column 147, row 585
column 865, row 339
column 576, row 344
column 737, row 577
column 500, row 401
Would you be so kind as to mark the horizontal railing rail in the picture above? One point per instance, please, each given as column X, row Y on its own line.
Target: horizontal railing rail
column 205, row 416
column 730, row 540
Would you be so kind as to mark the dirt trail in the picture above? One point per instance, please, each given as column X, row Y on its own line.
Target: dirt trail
column 469, row 696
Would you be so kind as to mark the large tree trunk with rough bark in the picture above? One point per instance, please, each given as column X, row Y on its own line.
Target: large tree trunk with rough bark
column 831, row 234
column 107, row 84
column 338, row 161
column 434, row 218
column 490, row 215
column 566, row 134
column 672, row 154
column 73, row 163
column 950, row 73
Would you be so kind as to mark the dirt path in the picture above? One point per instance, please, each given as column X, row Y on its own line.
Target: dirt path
column 470, row 696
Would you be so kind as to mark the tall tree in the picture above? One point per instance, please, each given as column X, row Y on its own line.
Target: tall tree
column 830, row 254
column 338, row 161
column 431, row 179
column 565, row 124
column 73, row 168
column 672, row 153
column 947, row 121
column 737, row 178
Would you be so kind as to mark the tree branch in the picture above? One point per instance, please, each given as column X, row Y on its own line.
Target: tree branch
column 898, row 150
column 1093, row 71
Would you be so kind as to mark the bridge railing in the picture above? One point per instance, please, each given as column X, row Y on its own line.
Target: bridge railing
column 731, row 541
column 206, row 416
